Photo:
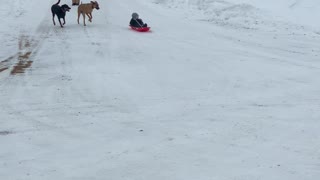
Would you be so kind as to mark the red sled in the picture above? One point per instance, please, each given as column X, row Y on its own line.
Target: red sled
column 140, row 29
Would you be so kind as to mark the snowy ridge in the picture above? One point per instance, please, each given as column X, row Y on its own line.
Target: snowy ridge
column 218, row 11
column 248, row 14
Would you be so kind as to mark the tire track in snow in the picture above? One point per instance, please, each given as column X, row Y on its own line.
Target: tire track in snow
column 22, row 60
column 28, row 47
column 295, row 3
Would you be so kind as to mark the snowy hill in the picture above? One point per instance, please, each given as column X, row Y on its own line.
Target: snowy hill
column 218, row 90
column 251, row 13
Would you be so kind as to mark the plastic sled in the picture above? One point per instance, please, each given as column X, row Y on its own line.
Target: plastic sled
column 140, row 29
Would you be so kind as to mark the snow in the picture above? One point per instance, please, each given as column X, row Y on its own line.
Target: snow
column 218, row 90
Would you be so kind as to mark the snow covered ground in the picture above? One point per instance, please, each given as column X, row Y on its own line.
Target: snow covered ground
column 218, row 90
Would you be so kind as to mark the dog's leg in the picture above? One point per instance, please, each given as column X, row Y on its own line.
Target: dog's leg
column 64, row 20
column 78, row 17
column 88, row 14
column 84, row 19
column 54, row 23
column 60, row 22
column 90, row 17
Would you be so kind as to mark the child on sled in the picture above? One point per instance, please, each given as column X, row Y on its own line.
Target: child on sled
column 136, row 21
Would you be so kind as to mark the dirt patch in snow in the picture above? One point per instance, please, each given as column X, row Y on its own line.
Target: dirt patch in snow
column 3, row 69
column 5, row 133
column 23, row 56
column 20, row 61
column 22, row 64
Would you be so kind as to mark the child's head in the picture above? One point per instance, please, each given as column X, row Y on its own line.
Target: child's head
column 135, row 15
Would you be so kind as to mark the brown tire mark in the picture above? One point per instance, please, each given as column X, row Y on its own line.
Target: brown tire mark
column 23, row 63
column 5, row 64
column 20, row 61
column 3, row 69
column 23, row 56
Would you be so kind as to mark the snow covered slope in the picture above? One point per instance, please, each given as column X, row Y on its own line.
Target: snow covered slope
column 252, row 13
column 218, row 90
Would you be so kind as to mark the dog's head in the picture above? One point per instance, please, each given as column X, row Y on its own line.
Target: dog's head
column 65, row 8
column 95, row 4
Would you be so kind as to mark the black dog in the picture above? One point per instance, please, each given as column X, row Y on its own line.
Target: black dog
column 60, row 12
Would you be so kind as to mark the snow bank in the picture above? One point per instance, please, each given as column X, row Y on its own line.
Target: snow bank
column 251, row 14
column 216, row 11
column 302, row 12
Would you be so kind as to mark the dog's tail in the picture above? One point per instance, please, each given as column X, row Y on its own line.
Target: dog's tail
column 57, row 2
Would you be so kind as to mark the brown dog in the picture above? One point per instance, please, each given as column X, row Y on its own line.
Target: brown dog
column 86, row 9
